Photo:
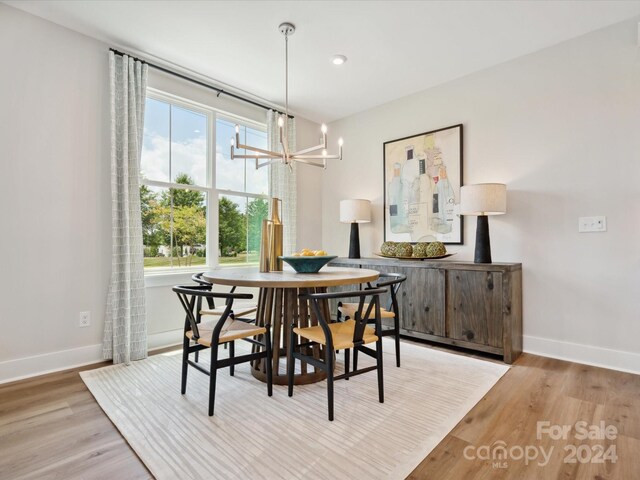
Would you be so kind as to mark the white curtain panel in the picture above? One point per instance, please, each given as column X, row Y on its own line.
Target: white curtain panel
column 125, row 329
column 283, row 179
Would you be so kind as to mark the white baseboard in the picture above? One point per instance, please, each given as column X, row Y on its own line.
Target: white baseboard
column 26, row 367
column 21, row 368
column 165, row 339
column 586, row 354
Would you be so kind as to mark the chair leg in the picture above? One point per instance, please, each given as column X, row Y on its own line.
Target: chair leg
column 379, row 365
column 290, row 360
column 212, row 377
column 196, row 356
column 397, row 334
column 269, row 361
column 226, row 344
column 347, row 361
column 185, row 365
column 232, row 353
column 355, row 359
column 339, row 319
column 328, row 355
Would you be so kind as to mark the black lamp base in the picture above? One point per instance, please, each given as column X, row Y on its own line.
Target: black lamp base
column 354, row 241
column 483, row 245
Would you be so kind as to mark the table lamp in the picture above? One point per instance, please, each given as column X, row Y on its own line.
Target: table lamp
column 483, row 199
column 355, row 212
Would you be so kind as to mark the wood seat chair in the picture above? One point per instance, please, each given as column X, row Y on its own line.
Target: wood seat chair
column 392, row 281
column 354, row 333
column 240, row 311
column 225, row 329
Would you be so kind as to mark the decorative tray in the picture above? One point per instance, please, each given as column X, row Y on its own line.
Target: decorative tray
column 415, row 258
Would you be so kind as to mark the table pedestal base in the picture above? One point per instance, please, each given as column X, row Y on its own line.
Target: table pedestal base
column 281, row 307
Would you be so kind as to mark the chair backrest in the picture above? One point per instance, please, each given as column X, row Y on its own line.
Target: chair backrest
column 198, row 278
column 394, row 282
column 366, row 312
column 191, row 300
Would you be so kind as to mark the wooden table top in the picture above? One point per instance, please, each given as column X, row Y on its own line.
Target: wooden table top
column 327, row 277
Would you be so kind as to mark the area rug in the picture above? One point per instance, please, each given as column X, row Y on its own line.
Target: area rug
column 253, row 436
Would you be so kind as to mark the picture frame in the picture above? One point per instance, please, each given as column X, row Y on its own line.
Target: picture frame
column 422, row 176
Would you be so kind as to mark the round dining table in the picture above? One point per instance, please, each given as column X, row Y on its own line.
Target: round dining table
column 279, row 306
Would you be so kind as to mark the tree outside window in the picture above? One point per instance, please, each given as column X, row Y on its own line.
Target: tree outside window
column 177, row 192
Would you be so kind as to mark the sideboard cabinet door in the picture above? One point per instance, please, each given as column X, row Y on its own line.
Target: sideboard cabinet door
column 422, row 301
column 474, row 307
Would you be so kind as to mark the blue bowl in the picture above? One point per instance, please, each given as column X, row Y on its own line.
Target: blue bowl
column 308, row 264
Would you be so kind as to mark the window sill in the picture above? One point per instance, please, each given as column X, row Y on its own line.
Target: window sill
column 169, row 278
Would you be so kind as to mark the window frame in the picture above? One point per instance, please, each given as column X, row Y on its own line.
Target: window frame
column 212, row 193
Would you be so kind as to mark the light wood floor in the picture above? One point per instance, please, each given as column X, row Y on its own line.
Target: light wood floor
column 51, row 427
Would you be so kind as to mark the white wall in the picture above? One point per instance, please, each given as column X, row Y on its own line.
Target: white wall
column 561, row 128
column 56, row 231
column 55, row 192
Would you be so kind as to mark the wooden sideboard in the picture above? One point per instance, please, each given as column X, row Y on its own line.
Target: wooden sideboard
column 470, row 305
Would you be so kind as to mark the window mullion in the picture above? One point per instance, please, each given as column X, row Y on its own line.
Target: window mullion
column 183, row 186
column 242, row 194
column 212, row 197
column 170, row 192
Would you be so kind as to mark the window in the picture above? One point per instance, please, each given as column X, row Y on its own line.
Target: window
column 198, row 208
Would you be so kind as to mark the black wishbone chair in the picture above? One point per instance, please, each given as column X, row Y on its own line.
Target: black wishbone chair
column 239, row 312
column 240, row 309
column 352, row 334
column 393, row 281
column 224, row 329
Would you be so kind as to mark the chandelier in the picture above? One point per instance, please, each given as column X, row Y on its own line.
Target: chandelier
column 306, row 155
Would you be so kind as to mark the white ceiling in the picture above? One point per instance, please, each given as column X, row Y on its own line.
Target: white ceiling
column 394, row 48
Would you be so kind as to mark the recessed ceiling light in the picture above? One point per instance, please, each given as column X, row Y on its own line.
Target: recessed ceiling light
column 338, row 59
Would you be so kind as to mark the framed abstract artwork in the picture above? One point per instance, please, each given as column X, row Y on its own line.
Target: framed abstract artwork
column 422, row 179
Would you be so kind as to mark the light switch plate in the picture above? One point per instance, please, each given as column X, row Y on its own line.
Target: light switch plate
column 592, row 224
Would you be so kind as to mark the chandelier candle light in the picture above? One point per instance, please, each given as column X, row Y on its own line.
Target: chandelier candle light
column 306, row 155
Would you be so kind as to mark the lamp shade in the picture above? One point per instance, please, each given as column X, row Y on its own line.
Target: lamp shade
column 483, row 199
column 358, row 211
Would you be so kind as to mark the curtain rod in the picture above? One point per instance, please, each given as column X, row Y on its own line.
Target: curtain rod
column 219, row 91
